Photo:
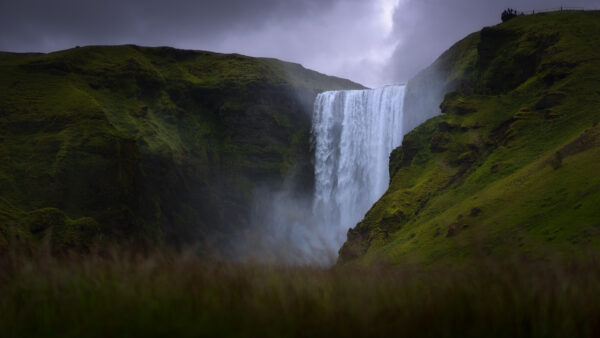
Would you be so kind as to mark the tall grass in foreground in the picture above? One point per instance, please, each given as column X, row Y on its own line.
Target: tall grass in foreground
column 181, row 295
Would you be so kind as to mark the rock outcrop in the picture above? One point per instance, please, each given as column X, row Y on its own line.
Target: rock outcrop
column 148, row 145
column 495, row 175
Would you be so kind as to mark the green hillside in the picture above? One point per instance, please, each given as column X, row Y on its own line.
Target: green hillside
column 146, row 144
column 510, row 168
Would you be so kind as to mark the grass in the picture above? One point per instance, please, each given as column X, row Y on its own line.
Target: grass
column 166, row 294
column 509, row 167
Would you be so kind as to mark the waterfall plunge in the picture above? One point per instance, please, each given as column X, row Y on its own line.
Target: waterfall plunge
column 353, row 132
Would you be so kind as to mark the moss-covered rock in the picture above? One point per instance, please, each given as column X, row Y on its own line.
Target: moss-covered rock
column 151, row 144
column 509, row 168
column 78, row 235
column 64, row 233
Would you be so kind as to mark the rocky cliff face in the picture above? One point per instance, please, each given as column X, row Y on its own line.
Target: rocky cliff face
column 509, row 167
column 147, row 144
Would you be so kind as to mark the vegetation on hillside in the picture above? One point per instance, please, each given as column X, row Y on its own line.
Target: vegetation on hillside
column 509, row 169
column 147, row 144
column 158, row 294
column 508, row 14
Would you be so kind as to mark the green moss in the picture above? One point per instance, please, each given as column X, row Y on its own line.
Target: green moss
column 65, row 234
column 152, row 143
column 79, row 235
column 508, row 169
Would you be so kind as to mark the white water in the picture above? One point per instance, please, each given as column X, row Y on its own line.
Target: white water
column 354, row 133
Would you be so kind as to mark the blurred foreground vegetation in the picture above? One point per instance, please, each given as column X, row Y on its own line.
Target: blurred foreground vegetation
column 116, row 294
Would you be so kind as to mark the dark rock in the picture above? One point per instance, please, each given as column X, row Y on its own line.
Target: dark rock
column 439, row 142
column 453, row 230
column 445, row 126
column 550, row 100
column 475, row 212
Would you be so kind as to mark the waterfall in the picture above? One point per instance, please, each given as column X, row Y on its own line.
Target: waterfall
column 353, row 132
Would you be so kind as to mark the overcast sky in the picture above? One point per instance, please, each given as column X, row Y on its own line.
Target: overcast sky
column 373, row 42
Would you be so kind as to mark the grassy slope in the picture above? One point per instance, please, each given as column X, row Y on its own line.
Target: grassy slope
column 146, row 142
column 510, row 167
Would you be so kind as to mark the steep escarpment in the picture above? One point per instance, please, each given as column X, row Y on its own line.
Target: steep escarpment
column 510, row 166
column 146, row 144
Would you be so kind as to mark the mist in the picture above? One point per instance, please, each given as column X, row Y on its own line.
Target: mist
column 285, row 230
column 352, row 135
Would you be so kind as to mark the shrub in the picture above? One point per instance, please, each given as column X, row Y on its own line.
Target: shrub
column 508, row 14
column 556, row 160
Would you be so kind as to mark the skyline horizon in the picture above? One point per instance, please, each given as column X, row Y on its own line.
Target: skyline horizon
column 374, row 43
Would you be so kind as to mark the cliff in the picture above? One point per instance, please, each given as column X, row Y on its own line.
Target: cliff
column 509, row 169
column 147, row 145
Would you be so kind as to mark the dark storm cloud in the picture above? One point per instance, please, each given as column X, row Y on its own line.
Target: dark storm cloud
column 51, row 24
column 369, row 41
column 328, row 35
